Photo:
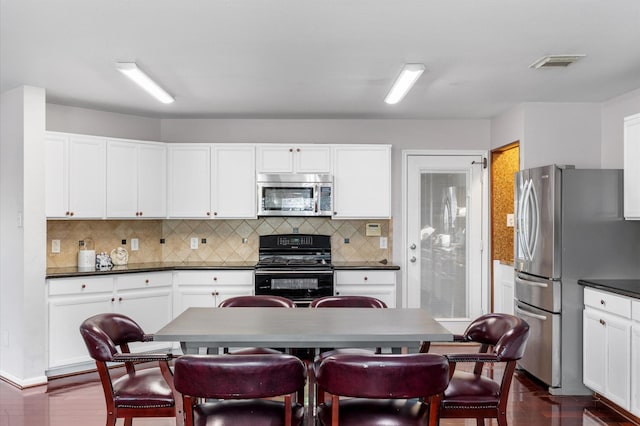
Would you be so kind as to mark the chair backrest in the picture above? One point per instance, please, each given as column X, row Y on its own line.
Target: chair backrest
column 384, row 376
column 347, row 302
column 260, row 301
column 238, row 376
column 507, row 334
column 103, row 332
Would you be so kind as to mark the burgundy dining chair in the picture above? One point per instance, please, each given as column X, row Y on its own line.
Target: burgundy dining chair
column 503, row 340
column 239, row 386
column 399, row 390
column 140, row 392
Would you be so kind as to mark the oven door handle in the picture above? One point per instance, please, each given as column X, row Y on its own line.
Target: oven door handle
column 530, row 314
column 289, row 272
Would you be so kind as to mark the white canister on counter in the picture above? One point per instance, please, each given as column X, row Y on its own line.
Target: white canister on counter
column 86, row 255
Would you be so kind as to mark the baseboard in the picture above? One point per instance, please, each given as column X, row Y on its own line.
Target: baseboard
column 618, row 409
column 23, row 383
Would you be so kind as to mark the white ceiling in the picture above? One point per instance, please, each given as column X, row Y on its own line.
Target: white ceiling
column 319, row 58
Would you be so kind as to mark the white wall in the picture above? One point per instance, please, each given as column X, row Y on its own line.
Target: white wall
column 100, row 123
column 22, row 236
column 561, row 133
column 508, row 128
column 613, row 113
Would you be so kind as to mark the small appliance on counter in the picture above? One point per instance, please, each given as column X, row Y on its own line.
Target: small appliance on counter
column 86, row 255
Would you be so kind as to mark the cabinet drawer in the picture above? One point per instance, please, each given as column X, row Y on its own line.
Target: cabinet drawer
column 608, row 302
column 143, row 280
column 83, row 285
column 635, row 311
column 217, row 277
column 365, row 277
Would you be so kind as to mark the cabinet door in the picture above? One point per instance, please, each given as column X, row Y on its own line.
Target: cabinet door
column 312, row 159
column 152, row 180
column 87, row 177
column 66, row 346
column 225, row 292
column 618, row 347
column 632, row 167
column 56, row 176
column 362, row 181
column 233, row 182
column 150, row 309
column 274, row 158
column 194, row 297
column 593, row 351
column 635, row 368
column 189, row 181
column 122, row 178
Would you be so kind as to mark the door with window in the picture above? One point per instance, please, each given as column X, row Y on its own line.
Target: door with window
column 444, row 256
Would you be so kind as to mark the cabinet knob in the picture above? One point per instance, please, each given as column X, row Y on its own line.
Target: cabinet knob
column 603, row 322
column 70, row 213
column 215, row 278
column 67, row 213
column 290, row 149
column 146, row 281
column 298, row 150
column 215, row 213
column 113, row 299
column 602, row 302
column 140, row 213
column 208, row 213
column 83, row 286
column 137, row 213
column 119, row 299
column 337, row 293
column 412, row 246
column 366, row 278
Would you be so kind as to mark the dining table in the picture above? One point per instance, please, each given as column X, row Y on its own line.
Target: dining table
column 209, row 330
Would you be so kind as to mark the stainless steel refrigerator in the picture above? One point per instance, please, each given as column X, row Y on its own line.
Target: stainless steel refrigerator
column 569, row 225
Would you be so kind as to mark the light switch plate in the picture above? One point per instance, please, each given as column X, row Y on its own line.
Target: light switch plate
column 134, row 244
column 510, row 220
column 383, row 242
column 55, row 246
column 194, row 243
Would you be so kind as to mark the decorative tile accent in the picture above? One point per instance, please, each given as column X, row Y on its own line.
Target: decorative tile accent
column 224, row 238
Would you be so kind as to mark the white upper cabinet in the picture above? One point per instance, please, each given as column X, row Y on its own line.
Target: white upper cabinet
column 136, row 179
column 632, row 167
column 233, row 181
column 283, row 158
column 75, row 171
column 189, row 180
column 362, row 181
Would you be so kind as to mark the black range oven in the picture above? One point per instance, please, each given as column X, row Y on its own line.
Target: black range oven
column 295, row 266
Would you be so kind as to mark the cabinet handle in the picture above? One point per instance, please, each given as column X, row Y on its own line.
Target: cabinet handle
column 602, row 322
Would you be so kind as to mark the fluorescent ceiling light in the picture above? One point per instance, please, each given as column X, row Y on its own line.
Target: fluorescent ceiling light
column 405, row 81
column 131, row 70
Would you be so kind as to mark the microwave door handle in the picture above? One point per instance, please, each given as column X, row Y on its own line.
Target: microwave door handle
column 316, row 195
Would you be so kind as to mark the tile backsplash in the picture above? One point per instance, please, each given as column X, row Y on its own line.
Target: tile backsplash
column 225, row 240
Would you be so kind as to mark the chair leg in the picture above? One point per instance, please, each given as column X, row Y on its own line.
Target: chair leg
column 128, row 421
column 111, row 419
column 480, row 421
column 502, row 419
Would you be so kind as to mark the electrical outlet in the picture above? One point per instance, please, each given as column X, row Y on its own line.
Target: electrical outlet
column 383, row 242
column 55, row 246
column 194, row 243
column 134, row 244
column 510, row 220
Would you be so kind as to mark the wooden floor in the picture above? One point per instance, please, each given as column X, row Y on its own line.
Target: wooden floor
column 78, row 400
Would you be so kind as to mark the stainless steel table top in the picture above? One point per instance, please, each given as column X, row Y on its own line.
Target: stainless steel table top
column 302, row 328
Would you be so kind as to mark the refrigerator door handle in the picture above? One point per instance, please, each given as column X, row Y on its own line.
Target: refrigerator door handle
column 525, row 281
column 530, row 314
column 535, row 213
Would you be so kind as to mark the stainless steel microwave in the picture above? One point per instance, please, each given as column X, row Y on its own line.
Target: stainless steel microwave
column 295, row 195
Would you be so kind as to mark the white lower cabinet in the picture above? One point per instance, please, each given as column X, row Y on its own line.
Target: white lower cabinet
column 207, row 289
column 607, row 345
column 372, row 283
column 146, row 298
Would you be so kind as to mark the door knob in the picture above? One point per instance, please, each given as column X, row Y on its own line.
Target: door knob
column 412, row 246
column 413, row 259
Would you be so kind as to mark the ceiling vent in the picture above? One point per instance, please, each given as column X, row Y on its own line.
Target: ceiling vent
column 556, row 61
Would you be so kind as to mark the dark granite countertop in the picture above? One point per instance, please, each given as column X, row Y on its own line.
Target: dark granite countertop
column 625, row 287
column 148, row 267
column 73, row 271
